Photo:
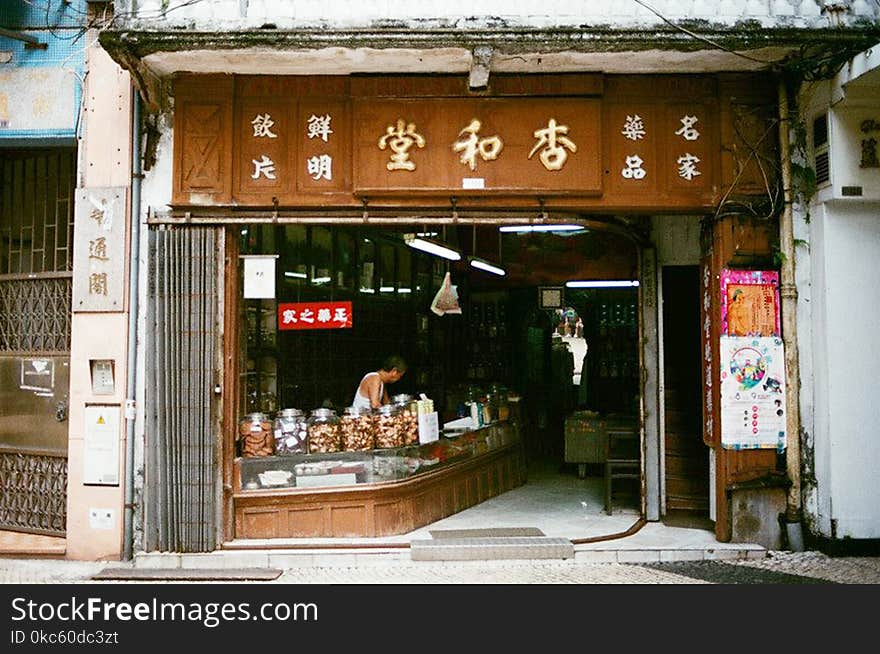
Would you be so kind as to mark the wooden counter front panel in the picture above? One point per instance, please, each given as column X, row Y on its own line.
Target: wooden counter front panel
column 382, row 509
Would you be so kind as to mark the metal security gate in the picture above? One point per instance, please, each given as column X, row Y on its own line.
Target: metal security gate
column 181, row 490
column 36, row 237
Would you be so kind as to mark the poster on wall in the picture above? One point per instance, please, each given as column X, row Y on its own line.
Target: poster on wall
column 752, row 392
column 750, row 303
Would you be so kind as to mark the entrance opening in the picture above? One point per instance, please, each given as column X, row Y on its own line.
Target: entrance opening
column 686, row 460
column 559, row 360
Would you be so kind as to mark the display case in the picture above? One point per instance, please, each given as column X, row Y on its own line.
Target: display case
column 377, row 492
column 301, row 471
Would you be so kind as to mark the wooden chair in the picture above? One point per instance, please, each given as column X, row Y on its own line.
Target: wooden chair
column 622, row 459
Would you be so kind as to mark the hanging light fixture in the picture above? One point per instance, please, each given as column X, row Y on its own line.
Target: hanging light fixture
column 522, row 229
column 601, row 283
column 431, row 247
column 543, row 225
column 483, row 264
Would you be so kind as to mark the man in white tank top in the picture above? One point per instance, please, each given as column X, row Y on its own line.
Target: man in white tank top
column 371, row 392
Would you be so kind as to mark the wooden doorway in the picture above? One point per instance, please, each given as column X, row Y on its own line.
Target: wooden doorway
column 686, row 459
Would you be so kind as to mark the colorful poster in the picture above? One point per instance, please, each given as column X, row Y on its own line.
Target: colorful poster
column 752, row 393
column 750, row 303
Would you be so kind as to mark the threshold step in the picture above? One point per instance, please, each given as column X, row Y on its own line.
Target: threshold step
column 473, row 549
column 179, row 574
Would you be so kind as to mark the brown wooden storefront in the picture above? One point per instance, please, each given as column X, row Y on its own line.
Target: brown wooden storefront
column 601, row 150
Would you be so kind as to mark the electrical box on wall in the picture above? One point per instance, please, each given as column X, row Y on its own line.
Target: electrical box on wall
column 102, row 372
column 101, row 445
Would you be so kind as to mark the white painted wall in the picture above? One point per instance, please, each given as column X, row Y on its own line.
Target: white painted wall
column 846, row 311
column 284, row 13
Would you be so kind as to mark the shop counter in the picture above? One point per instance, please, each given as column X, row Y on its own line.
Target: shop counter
column 376, row 492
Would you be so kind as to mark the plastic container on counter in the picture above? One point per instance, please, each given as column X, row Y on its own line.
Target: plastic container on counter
column 358, row 429
column 291, row 432
column 324, row 430
column 389, row 426
column 255, row 435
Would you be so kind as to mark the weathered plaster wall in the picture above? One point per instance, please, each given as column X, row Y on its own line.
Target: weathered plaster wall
column 223, row 14
column 104, row 162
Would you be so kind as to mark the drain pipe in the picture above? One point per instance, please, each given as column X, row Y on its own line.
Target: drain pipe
column 131, row 363
column 788, row 293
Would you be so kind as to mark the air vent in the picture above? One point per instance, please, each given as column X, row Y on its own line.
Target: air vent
column 851, row 191
column 823, row 174
column 821, row 161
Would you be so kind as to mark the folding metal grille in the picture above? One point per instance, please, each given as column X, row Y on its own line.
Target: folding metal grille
column 181, row 454
column 36, row 240
column 35, row 315
column 33, row 493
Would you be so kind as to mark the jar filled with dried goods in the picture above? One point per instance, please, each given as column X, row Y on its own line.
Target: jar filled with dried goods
column 255, row 435
column 356, row 425
column 389, row 426
column 409, row 420
column 291, row 432
column 324, row 431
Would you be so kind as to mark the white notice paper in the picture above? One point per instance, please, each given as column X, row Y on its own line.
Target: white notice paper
column 429, row 427
column 259, row 277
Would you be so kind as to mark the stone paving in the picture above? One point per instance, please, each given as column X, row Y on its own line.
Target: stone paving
column 777, row 568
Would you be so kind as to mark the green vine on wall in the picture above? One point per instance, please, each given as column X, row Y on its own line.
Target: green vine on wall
column 803, row 175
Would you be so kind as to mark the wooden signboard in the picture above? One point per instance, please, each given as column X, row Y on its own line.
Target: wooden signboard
column 610, row 143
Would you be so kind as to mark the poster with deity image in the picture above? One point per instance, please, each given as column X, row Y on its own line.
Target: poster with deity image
column 752, row 393
column 750, row 303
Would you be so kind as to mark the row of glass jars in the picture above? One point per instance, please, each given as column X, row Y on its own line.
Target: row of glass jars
column 392, row 425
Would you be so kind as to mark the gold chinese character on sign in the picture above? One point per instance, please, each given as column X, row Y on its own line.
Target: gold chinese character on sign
column 265, row 166
column 98, row 249
column 263, row 126
column 320, row 166
column 98, row 284
column 400, row 139
column 488, row 148
column 553, row 141
column 319, row 127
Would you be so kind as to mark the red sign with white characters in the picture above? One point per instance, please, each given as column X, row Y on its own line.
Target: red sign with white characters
column 314, row 315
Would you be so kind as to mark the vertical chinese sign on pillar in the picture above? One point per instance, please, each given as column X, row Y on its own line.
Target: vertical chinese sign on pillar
column 752, row 362
column 99, row 250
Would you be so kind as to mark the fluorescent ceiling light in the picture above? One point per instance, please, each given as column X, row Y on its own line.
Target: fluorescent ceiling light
column 298, row 275
column 320, row 280
column 601, row 283
column 540, row 228
column 427, row 234
column 431, row 247
column 386, row 289
column 404, row 290
column 482, row 264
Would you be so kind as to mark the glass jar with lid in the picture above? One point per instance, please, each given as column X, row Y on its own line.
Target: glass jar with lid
column 291, row 432
column 389, row 426
column 324, row 432
column 409, row 420
column 501, row 403
column 356, row 426
column 255, row 436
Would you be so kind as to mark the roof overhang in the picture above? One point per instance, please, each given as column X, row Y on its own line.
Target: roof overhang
column 162, row 53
